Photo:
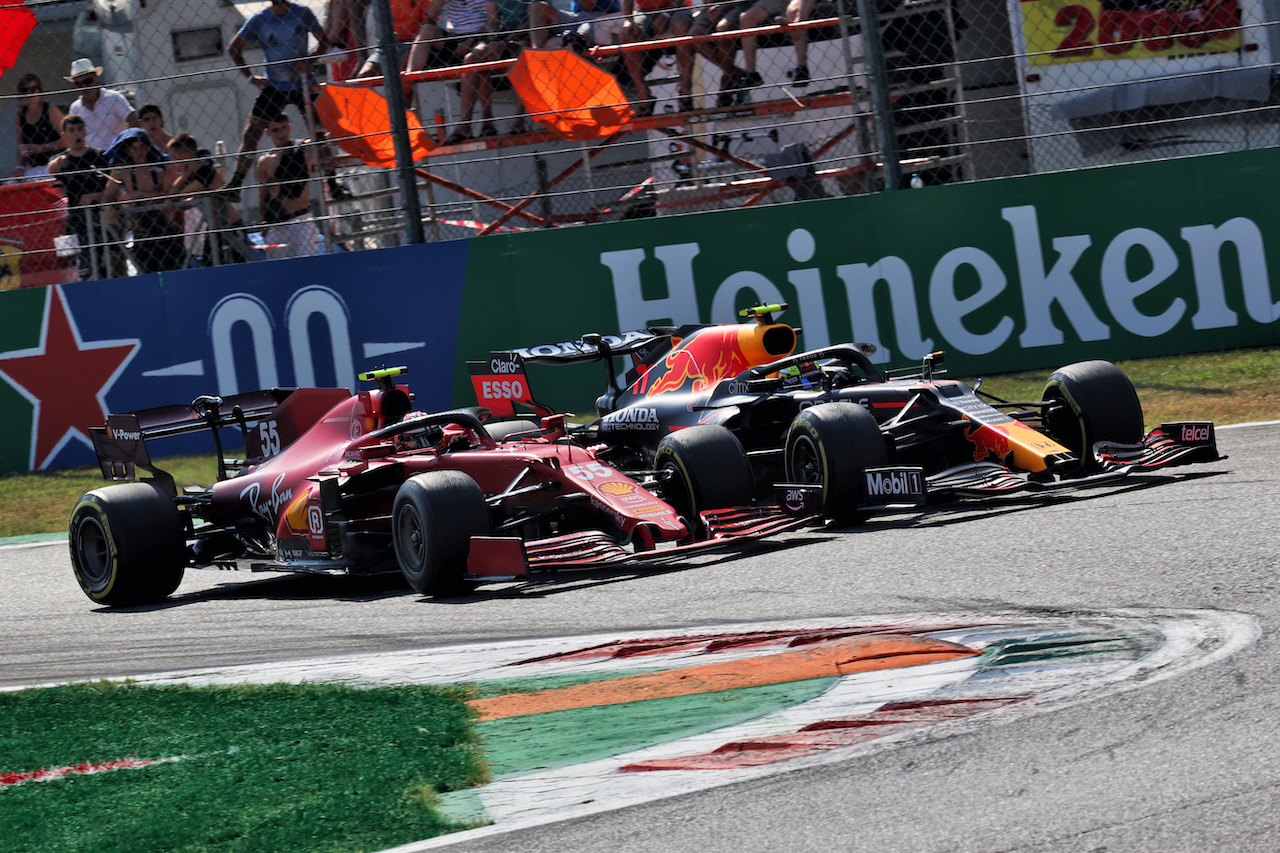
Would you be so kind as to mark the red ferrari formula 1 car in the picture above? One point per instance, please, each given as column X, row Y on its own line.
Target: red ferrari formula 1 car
column 354, row 484
column 827, row 426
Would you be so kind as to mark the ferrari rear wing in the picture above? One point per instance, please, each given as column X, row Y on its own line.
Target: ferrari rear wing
column 121, row 443
column 178, row 419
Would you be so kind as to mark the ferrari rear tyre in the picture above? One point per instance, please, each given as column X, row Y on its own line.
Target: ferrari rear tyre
column 831, row 445
column 128, row 544
column 432, row 521
column 706, row 469
column 1094, row 401
column 500, row 430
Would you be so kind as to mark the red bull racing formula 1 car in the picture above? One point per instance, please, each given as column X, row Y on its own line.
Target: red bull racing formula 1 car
column 827, row 429
column 358, row 484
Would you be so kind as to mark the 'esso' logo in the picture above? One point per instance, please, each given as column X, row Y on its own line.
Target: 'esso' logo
column 502, row 389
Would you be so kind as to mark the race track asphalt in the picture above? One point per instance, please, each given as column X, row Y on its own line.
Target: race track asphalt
column 1184, row 763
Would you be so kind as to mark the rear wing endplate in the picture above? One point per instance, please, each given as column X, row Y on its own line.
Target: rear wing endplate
column 121, row 443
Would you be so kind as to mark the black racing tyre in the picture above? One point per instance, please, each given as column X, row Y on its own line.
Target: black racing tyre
column 708, row 470
column 1093, row 401
column 498, row 430
column 434, row 517
column 128, row 544
column 831, row 445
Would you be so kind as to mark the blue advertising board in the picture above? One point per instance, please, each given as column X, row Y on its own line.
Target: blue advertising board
column 74, row 353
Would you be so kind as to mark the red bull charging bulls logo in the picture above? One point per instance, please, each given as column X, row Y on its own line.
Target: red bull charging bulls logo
column 700, row 363
column 989, row 441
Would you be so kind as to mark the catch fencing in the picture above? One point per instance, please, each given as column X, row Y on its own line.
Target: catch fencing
column 541, row 122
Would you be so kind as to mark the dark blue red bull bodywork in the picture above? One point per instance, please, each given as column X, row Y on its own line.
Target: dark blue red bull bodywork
column 788, row 409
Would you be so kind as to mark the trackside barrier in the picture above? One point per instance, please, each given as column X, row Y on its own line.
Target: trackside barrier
column 1017, row 274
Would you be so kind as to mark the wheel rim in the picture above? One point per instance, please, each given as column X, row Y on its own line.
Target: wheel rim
column 1065, row 425
column 675, row 490
column 413, row 542
column 806, row 462
column 93, row 552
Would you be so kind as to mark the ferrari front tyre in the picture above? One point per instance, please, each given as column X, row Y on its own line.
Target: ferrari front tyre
column 128, row 544
column 703, row 467
column 1092, row 401
column 432, row 521
column 830, row 445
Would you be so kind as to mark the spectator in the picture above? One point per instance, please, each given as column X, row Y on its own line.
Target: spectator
column 588, row 22
column 39, row 129
column 284, row 197
column 722, row 17
column 651, row 19
column 82, row 172
column 797, row 11
column 465, row 25
column 106, row 112
column 347, row 23
column 140, row 186
column 754, row 15
column 407, row 17
column 513, row 37
column 281, row 29
column 465, row 22
column 151, row 119
column 197, row 178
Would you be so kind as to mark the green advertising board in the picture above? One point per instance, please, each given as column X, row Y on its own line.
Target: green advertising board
column 1020, row 273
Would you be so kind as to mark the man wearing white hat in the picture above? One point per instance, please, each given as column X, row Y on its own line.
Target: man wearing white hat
column 106, row 112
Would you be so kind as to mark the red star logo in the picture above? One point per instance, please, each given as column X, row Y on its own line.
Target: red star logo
column 65, row 379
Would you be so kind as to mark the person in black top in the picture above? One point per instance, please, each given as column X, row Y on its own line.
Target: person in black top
column 197, row 178
column 39, row 129
column 83, row 173
column 141, row 186
column 284, row 195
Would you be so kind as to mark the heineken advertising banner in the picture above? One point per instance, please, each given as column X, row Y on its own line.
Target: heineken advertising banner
column 1021, row 273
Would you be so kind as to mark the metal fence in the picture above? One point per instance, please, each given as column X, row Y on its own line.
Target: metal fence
column 549, row 115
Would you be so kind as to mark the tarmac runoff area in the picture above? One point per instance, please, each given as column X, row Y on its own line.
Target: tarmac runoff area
column 574, row 726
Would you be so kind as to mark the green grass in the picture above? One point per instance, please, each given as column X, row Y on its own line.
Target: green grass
column 268, row 768
column 1226, row 387
column 41, row 502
